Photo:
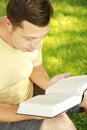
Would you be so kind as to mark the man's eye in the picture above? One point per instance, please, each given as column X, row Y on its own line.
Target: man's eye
column 29, row 39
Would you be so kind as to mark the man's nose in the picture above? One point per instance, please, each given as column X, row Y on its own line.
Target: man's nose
column 36, row 43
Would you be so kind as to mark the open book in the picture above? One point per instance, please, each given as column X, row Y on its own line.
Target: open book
column 58, row 98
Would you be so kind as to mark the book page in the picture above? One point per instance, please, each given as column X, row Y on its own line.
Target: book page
column 71, row 85
column 48, row 105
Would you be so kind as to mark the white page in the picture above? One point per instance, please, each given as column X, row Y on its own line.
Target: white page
column 71, row 85
column 47, row 105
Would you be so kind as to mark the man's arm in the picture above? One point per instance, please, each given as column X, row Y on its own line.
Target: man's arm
column 40, row 77
column 8, row 114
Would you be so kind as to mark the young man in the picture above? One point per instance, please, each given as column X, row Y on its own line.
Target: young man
column 21, row 33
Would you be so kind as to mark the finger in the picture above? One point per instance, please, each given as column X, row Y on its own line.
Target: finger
column 64, row 75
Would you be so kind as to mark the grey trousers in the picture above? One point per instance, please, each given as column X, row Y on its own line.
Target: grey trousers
column 22, row 125
column 32, row 124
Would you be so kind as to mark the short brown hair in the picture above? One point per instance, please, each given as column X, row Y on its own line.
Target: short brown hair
column 37, row 12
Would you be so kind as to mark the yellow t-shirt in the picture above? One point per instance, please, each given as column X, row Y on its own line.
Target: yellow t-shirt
column 15, row 69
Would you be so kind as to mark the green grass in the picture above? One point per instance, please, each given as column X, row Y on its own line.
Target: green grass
column 65, row 47
column 3, row 7
column 67, row 40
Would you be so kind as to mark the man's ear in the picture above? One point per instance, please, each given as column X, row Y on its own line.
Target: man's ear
column 9, row 24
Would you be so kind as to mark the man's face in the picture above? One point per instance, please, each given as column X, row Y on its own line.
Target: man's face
column 28, row 38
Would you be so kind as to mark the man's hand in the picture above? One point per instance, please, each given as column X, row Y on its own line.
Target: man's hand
column 84, row 103
column 59, row 77
column 40, row 77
